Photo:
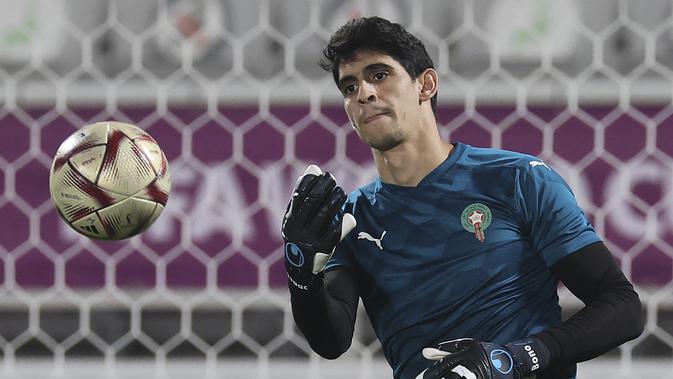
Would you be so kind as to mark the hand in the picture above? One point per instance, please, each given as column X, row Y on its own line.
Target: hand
column 312, row 227
column 470, row 359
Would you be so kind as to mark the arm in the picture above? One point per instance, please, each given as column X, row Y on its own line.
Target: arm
column 312, row 227
column 612, row 314
column 327, row 317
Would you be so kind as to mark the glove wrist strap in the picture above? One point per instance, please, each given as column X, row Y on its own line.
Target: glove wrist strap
column 530, row 354
column 305, row 284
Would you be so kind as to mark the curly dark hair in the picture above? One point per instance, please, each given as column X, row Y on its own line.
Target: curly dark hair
column 381, row 35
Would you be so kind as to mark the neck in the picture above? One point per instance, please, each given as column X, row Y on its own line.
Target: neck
column 412, row 160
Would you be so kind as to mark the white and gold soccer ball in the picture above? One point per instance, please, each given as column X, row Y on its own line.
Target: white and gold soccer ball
column 109, row 180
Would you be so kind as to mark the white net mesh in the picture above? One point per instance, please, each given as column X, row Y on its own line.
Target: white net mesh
column 232, row 92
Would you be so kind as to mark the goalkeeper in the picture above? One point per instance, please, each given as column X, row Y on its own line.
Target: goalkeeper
column 457, row 251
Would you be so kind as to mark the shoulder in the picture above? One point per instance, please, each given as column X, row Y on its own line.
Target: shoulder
column 366, row 193
column 500, row 158
column 518, row 165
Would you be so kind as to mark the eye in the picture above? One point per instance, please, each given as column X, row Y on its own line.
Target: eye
column 349, row 89
column 380, row 75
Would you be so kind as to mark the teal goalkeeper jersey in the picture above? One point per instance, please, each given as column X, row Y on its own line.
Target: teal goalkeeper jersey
column 465, row 253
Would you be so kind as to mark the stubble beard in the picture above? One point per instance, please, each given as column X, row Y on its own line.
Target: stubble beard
column 388, row 141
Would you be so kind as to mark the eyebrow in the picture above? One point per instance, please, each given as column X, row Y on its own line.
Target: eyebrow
column 368, row 68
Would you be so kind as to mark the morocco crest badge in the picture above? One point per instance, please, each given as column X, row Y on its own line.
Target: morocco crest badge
column 476, row 218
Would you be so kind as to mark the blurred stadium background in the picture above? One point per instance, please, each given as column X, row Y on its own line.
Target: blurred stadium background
column 231, row 91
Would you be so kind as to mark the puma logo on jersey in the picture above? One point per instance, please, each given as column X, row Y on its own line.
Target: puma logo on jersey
column 368, row 237
column 538, row 163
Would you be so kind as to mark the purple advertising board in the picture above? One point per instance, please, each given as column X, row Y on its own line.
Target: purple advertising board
column 232, row 173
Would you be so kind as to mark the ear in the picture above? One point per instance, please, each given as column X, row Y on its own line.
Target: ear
column 428, row 81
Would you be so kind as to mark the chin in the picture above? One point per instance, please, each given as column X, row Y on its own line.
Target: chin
column 385, row 144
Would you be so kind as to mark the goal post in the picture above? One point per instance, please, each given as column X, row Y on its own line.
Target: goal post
column 232, row 93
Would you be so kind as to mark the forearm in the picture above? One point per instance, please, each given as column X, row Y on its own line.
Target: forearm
column 327, row 316
column 612, row 314
column 601, row 326
column 323, row 304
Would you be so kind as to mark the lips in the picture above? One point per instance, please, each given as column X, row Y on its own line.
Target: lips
column 375, row 116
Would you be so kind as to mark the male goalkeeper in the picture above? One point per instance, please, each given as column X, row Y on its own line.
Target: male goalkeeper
column 457, row 251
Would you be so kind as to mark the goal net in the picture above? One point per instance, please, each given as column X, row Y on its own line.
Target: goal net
column 232, row 92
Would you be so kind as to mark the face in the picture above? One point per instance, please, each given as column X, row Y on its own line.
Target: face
column 380, row 98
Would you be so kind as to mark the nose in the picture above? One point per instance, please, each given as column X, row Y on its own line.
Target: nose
column 366, row 93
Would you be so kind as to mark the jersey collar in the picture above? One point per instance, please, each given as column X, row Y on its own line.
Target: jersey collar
column 454, row 155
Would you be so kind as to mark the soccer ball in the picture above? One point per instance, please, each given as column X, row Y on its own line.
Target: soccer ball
column 109, row 180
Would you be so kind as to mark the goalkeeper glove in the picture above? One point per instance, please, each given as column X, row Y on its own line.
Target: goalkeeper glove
column 470, row 359
column 312, row 227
